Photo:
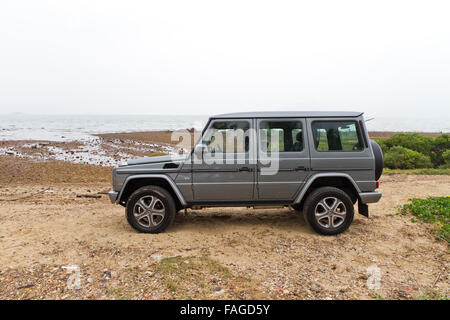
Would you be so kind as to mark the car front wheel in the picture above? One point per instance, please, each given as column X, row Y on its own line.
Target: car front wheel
column 150, row 209
column 329, row 210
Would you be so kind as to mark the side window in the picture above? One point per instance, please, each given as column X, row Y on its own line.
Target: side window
column 336, row 136
column 281, row 136
column 227, row 137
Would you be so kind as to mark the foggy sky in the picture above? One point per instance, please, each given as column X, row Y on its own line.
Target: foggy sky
column 209, row 57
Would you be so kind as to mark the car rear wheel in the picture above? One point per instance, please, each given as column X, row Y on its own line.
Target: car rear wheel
column 329, row 210
column 150, row 209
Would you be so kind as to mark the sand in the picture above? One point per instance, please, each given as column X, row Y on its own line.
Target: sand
column 235, row 253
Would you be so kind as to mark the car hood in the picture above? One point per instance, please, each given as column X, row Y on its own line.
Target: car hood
column 156, row 159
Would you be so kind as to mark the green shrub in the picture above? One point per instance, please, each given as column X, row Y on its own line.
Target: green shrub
column 446, row 159
column 434, row 210
column 446, row 156
column 440, row 147
column 403, row 158
column 413, row 141
column 428, row 152
column 382, row 143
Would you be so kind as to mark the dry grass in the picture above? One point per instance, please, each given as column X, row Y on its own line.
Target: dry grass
column 22, row 171
column 387, row 134
column 212, row 279
column 422, row 171
column 164, row 137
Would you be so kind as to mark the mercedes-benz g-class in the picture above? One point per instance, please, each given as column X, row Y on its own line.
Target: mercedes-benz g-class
column 321, row 163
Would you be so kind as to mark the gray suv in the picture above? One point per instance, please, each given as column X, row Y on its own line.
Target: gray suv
column 320, row 163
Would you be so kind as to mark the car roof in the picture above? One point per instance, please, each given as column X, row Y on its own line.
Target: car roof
column 289, row 114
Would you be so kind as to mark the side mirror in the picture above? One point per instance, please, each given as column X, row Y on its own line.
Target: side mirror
column 199, row 149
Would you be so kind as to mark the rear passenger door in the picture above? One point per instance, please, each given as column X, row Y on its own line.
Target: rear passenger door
column 283, row 158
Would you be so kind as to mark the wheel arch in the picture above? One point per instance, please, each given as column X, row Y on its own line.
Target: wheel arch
column 132, row 183
column 341, row 181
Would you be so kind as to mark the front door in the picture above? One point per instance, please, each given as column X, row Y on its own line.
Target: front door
column 283, row 158
column 226, row 169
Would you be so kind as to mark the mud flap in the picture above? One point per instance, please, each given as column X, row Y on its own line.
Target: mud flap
column 363, row 209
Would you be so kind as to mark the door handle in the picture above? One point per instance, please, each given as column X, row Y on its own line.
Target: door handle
column 245, row 169
column 301, row 168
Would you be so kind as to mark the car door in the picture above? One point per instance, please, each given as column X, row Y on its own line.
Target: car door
column 226, row 169
column 283, row 158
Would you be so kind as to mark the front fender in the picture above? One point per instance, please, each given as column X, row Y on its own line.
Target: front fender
column 155, row 176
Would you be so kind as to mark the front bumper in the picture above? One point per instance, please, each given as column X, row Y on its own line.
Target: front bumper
column 370, row 197
column 113, row 196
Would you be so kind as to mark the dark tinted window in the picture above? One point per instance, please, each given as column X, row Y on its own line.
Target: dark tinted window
column 336, row 136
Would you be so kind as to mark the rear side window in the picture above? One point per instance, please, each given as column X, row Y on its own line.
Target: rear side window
column 336, row 136
column 281, row 136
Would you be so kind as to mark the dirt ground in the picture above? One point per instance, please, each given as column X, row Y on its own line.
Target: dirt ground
column 46, row 229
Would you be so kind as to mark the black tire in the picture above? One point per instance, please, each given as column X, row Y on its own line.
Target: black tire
column 379, row 160
column 316, row 200
column 163, row 199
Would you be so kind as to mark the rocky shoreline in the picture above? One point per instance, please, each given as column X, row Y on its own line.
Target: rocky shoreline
column 96, row 151
column 109, row 149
